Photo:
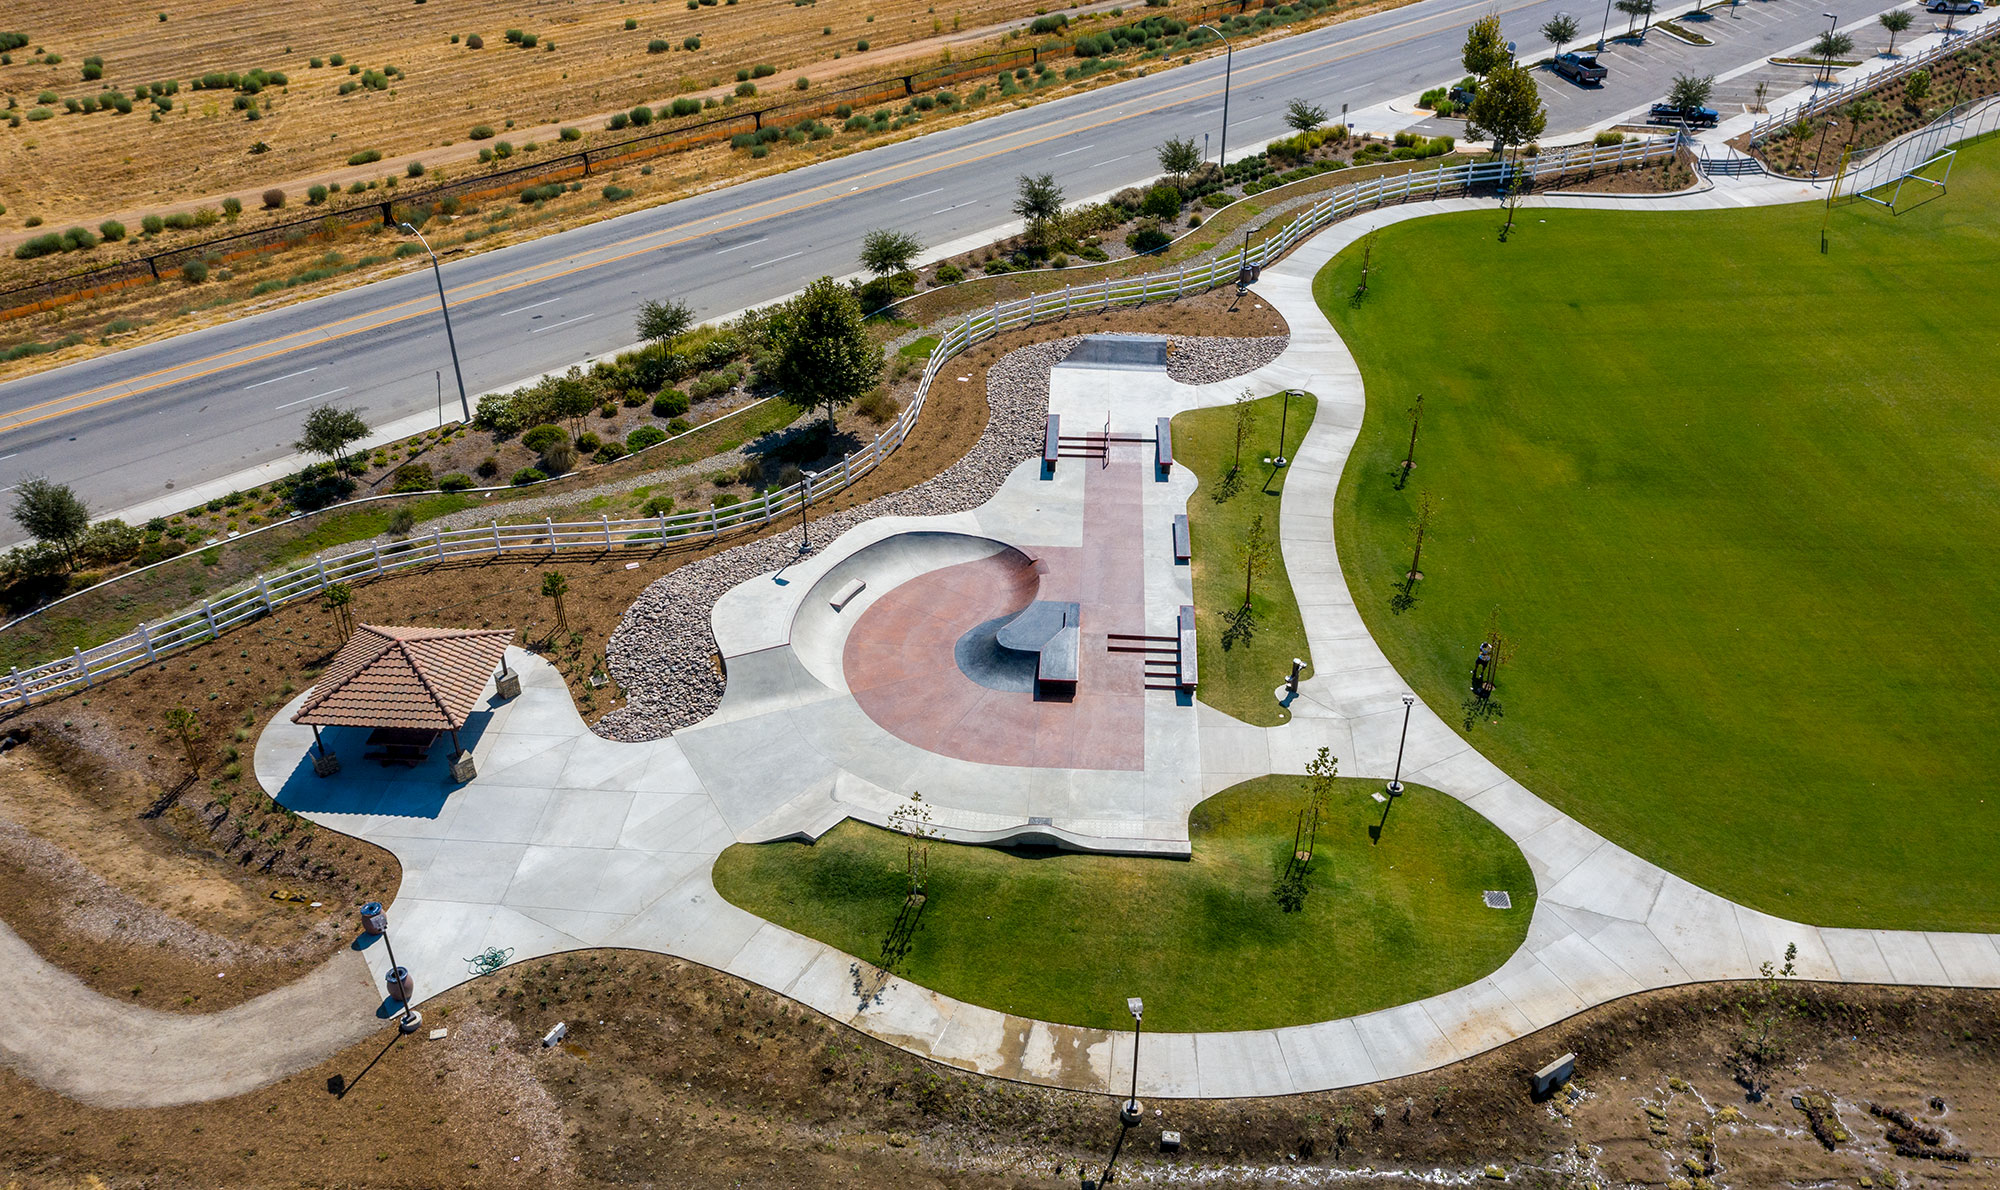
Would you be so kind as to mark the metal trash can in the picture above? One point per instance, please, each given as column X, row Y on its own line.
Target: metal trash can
column 373, row 919
column 400, row 985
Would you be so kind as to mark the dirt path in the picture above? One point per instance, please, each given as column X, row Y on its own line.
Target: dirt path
column 110, row 1054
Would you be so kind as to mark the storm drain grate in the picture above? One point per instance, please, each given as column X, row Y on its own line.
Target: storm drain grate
column 1498, row 899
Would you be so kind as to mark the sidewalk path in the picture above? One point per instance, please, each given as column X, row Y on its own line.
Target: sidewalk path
column 567, row 840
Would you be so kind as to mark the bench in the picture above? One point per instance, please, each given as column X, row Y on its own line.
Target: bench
column 1052, row 443
column 1186, row 635
column 846, row 594
column 1163, row 444
column 1183, row 549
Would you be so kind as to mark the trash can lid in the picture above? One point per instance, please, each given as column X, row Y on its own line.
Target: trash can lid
column 371, row 909
column 398, row 974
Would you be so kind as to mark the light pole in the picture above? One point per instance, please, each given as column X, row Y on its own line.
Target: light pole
column 1826, row 69
column 1131, row 1112
column 465, row 405
column 1606, row 31
column 805, row 502
column 1396, row 782
column 376, row 921
column 1284, row 415
column 1822, row 144
column 1228, row 72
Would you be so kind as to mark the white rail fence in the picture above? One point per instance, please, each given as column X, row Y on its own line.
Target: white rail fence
column 84, row 667
column 1819, row 105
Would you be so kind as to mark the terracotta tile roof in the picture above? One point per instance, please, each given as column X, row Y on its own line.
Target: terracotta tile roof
column 428, row 678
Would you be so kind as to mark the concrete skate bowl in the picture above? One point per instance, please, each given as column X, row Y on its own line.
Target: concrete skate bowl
column 969, row 576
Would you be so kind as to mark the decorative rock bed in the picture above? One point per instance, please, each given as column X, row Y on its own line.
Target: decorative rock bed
column 661, row 653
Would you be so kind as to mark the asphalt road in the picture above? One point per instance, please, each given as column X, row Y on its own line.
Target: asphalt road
column 130, row 427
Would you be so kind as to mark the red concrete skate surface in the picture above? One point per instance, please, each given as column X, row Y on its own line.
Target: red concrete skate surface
column 900, row 666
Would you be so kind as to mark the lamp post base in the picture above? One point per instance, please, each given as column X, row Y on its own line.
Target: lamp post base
column 1131, row 1112
column 411, row 1022
column 1395, row 789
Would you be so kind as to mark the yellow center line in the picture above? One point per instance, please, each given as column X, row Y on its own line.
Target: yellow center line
column 417, row 307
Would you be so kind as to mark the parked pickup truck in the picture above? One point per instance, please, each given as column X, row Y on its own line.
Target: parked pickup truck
column 1694, row 117
column 1582, row 69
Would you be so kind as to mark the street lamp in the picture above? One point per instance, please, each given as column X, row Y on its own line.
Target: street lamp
column 805, row 502
column 1228, row 72
column 1284, row 413
column 1396, row 782
column 1131, row 1112
column 1826, row 68
column 437, row 272
column 1822, row 144
column 1606, row 31
column 376, row 921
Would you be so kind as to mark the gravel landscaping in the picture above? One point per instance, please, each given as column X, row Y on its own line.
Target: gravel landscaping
column 663, row 652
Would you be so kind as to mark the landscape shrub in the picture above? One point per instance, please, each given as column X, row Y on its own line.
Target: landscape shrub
column 659, row 45
column 481, row 132
column 514, row 36
column 641, row 115
column 610, row 452
column 528, row 40
column 690, row 43
column 644, row 437
column 686, row 107
column 48, row 97
column 412, row 477
column 364, row 157
column 558, row 458
column 658, row 506
column 40, row 113
column 862, row 44
column 152, row 225
column 41, row 245
column 588, row 441
column 745, row 90
column 232, row 207
column 475, row 42
column 194, row 272
column 76, row 239
column 762, row 71
column 315, row 195
column 315, row 487
column 527, row 475
column 488, row 467
column 1147, row 237
column 878, row 292
column 631, row 23
column 616, row 194
column 878, row 406
column 1053, row 23
column 1161, row 202
column 618, row 120
column 948, row 274
column 572, row 134
column 542, row 193
column 541, row 437
column 111, row 230
column 457, row 481
column 670, row 404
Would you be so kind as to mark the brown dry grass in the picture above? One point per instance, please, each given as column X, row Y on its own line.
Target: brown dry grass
column 87, row 165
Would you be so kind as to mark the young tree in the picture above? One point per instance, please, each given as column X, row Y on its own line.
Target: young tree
column 1485, row 46
column 825, row 358
column 664, row 321
column 1038, row 203
column 184, row 726
column 886, row 251
column 1690, row 91
column 1426, row 509
column 1256, row 554
column 1560, row 29
column 1410, row 455
column 1896, row 20
column 51, row 513
column 1245, row 415
column 554, row 587
column 1179, row 157
column 1633, row 10
column 328, row 431
column 338, row 598
column 1304, row 116
column 1508, row 108
column 1831, row 46
column 572, row 400
column 1916, row 89
column 912, row 820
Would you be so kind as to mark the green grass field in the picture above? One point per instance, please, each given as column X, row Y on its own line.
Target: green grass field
column 1733, row 504
column 1241, row 660
column 1067, row 937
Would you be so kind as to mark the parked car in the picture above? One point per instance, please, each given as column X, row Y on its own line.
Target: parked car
column 1696, row 117
column 1970, row 7
column 1582, row 69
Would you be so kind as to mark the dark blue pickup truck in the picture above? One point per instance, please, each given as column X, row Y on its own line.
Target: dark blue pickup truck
column 1693, row 117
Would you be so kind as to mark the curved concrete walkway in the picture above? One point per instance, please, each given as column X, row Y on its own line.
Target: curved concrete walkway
column 567, row 840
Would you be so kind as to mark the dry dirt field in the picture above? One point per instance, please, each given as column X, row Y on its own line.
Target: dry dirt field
column 585, row 65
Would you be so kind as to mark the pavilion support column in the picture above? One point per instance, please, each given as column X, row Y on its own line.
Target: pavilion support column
column 325, row 764
column 508, row 683
column 461, row 761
